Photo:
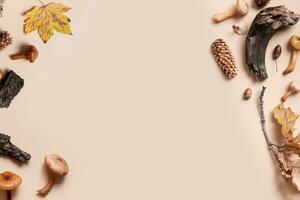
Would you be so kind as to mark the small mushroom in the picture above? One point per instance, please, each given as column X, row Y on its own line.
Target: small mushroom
column 295, row 43
column 31, row 54
column 9, row 182
column 57, row 168
column 294, row 88
column 247, row 94
column 240, row 28
column 241, row 8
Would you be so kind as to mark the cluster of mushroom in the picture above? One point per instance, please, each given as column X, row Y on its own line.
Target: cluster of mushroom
column 57, row 167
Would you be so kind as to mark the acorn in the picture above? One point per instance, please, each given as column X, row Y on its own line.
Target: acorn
column 247, row 94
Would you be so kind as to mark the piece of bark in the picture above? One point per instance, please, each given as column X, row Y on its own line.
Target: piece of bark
column 10, row 86
column 265, row 25
column 10, row 150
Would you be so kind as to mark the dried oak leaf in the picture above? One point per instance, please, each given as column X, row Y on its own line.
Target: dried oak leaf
column 286, row 118
column 47, row 18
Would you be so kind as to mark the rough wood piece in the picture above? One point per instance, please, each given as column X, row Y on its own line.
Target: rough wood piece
column 265, row 25
column 10, row 86
column 224, row 58
column 10, row 150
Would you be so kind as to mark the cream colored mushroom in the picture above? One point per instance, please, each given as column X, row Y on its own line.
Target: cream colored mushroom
column 57, row 167
column 294, row 88
column 241, row 8
column 295, row 43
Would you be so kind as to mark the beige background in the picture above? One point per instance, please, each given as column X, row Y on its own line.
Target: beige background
column 136, row 104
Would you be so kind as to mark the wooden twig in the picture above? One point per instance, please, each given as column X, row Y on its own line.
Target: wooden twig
column 273, row 148
column 262, row 117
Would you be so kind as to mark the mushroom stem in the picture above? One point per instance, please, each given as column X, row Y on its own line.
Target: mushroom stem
column 292, row 64
column 46, row 189
column 8, row 194
column 225, row 15
column 286, row 95
column 18, row 56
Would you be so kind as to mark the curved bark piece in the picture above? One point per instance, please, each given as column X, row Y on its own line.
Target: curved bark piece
column 265, row 25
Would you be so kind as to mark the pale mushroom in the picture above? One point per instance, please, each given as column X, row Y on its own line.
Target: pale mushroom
column 9, row 182
column 240, row 28
column 294, row 88
column 57, row 167
column 241, row 8
column 295, row 43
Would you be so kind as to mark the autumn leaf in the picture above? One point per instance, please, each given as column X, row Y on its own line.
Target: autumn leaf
column 47, row 18
column 286, row 118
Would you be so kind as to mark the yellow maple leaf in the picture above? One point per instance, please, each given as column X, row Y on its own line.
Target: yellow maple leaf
column 47, row 18
column 286, row 118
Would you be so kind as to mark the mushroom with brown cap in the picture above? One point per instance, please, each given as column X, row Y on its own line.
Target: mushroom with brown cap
column 31, row 54
column 57, row 167
column 9, row 181
column 295, row 43
column 241, row 8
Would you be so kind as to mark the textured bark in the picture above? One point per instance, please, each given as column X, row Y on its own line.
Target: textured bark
column 10, row 150
column 10, row 86
column 265, row 25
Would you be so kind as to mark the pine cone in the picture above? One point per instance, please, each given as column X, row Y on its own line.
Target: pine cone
column 5, row 40
column 262, row 3
column 224, row 58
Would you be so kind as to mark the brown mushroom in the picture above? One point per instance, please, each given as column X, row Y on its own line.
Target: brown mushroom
column 295, row 43
column 31, row 54
column 57, row 168
column 9, row 182
column 241, row 8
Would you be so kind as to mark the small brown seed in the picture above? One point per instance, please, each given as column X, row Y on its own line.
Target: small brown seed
column 247, row 94
column 277, row 52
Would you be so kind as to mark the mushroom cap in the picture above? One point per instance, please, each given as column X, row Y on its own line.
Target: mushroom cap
column 295, row 42
column 242, row 7
column 295, row 86
column 9, row 181
column 33, row 53
column 56, row 165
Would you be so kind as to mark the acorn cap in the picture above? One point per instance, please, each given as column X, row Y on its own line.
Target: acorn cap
column 56, row 165
column 9, row 181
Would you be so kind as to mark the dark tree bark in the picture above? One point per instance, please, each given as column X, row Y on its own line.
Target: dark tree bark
column 10, row 150
column 10, row 86
column 265, row 25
